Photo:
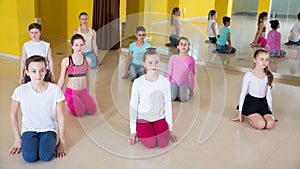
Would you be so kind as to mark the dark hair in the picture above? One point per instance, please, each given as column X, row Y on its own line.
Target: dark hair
column 175, row 9
column 261, row 16
column 274, row 24
column 211, row 13
column 299, row 15
column 140, row 29
column 35, row 58
column 83, row 13
column 35, row 25
column 266, row 69
column 226, row 19
column 75, row 37
column 183, row 38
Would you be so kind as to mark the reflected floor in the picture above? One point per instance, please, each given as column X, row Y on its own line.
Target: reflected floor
column 207, row 139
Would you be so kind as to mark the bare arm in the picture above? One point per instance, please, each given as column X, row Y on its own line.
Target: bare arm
column 258, row 32
column 51, row 65
column 213, row 27
column 14, row 120
column 229, row 40
column 22, row 65
column 64, row 65
column 95, row 48
column 60, row 148
column 127, row 64
column 88, row 73
column 74, row 32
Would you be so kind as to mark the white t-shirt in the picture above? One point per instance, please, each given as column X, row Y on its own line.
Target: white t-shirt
column 256, row 87
column 295, row 33
column 150, row 101
column 36, row 48
column 38, row 109
column 210, row 30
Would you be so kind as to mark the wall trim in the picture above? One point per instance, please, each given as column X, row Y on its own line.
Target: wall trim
column 184, row 19
column 10, row 56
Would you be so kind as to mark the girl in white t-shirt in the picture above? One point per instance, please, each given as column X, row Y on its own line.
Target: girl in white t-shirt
column 212, row 27
column 150, row 106
column 41, row 104
column 294, row 36
column 255, row 101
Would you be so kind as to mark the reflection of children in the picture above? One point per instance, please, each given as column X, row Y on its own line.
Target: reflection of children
column 222, row 47
column 256, row 98
column 90, row 49
column 79, row 100
column 176, row 27
column 36, row 47
column 41, row 103
column 181, row 72
column 212, row 27
column 273, row 41
column 134, row 67
column 150, row 106
column 259, row 39
column 294, row 37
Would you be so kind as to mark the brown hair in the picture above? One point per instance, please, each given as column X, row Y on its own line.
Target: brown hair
column 35, row 25
column 266, row 69
column 150, row 51
column 35, row 58
column 75, row 37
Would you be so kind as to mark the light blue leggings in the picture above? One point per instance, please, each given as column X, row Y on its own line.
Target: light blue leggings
column 91, row 55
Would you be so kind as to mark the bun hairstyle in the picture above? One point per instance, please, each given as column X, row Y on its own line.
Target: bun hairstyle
column 266, row 69
column 176, row 9
column 274, row 24
column 211, row 13
column 261, row 17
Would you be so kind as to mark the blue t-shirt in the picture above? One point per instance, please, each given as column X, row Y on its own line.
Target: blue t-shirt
column 223, row 36
column 138, row 52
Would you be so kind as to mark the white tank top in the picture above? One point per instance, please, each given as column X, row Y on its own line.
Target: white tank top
column 210, row 31
column 37, row 48
column 88, row 37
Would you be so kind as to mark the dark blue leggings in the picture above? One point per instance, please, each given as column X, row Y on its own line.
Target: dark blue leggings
column 38, row 146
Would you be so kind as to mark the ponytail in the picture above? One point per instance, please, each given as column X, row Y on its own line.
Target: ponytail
column 269, row 76
column 211, row 13
column 261, row 16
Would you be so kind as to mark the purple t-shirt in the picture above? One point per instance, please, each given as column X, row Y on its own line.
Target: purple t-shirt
column 181, row 70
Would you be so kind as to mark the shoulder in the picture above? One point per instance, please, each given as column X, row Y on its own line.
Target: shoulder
column 248, row 75
column 53, row 86
column 133, row 44
column 146, row 44
column 45, row 43
column 163, row 80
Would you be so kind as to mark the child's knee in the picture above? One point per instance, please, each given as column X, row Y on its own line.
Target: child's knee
column 30, row 157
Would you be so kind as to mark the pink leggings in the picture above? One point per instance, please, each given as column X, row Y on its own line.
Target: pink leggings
column 80, row 102
column 153, row 133
column 262, row 41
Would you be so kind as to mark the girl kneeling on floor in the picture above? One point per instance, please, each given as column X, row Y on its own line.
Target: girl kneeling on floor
column 150, row 106
column 79, row 100
column 255, row 101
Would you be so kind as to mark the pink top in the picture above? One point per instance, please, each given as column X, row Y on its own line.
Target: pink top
column 77, row 70
column 181, row 70
column 273, row 41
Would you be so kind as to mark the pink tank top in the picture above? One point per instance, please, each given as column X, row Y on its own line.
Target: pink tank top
column 77, row 70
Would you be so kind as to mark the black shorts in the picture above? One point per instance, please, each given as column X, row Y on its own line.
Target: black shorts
column 255, row 105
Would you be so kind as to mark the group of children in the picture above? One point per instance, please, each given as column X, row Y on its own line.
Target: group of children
column 151, row 97
column 272, row 43
column 42, row 102
column 150, row 103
